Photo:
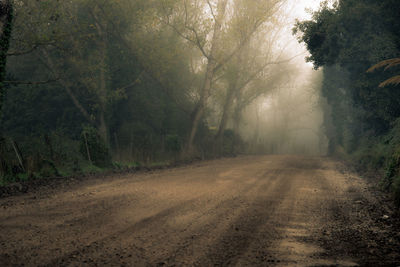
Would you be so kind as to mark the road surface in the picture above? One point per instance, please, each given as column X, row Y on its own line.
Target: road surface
column 244, row 211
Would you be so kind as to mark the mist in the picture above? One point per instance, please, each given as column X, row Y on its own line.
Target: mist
column 289, row 120
column 138, row 83
column 199, row 133
column 286, row 114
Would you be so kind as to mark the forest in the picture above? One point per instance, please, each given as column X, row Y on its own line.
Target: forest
column 357, row 45
column 199, row 133
column 95, row 85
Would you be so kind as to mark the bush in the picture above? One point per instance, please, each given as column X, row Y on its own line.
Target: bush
column 172, row 143
column 228, row 144
column 94, row 148
column 380, row 154
column 48, row 169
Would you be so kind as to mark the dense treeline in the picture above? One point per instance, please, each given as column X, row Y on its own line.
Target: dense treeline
column 97, row 83
column 362, row 120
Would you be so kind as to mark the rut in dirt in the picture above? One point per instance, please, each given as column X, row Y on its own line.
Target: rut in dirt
column 245, row 211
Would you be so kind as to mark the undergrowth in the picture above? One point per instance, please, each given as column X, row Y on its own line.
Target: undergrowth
column 57, row 155
column 382, row 156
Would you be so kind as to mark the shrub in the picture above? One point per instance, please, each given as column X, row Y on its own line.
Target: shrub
column 172, row 143
column 94, row 148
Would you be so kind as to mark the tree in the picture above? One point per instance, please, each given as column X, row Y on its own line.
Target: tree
column 206, row 25
column 111, row 65
column 6, row 17
column 73, row 48
column 347, row 39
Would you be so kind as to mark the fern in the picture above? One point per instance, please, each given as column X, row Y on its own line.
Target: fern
column 387, row 64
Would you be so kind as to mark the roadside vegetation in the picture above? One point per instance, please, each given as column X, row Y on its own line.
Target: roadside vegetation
column 89, row 86
column 93, row 85
column 357, row 44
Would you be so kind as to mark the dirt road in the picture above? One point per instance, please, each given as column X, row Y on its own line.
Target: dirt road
column 245, row 211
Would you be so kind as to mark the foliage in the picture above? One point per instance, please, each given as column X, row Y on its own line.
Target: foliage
column 232, row 143
column 6, row 23
column 140, row 75
column 347, row 39
column 93, row 147
column 172, row 143
column 388, row 63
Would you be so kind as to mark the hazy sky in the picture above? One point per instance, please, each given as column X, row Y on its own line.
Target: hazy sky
column 301, row 5
column 300, row 131
column 297, row 10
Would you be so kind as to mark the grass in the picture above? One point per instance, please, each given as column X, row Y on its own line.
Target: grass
column 92, row 169
column 380, row 156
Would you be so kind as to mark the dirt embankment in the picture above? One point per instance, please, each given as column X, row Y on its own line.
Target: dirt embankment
column 254, row 211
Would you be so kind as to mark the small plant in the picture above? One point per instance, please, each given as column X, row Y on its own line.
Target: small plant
column 94, row 148
column 92, row 169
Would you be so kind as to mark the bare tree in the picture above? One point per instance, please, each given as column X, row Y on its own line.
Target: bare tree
column 231, row 23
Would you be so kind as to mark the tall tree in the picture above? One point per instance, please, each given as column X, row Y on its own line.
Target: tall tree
column 209, row 24
column 347, row 39
column 6, row 17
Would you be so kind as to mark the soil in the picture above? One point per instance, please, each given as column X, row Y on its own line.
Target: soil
column 244, row 211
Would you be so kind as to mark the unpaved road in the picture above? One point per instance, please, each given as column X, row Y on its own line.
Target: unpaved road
column 245, row 211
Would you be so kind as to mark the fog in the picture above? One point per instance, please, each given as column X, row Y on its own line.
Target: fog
column 199, row 132
column 287, row 117
column 140, row 82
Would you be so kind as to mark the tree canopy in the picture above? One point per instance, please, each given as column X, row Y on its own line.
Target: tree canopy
column 136, row 80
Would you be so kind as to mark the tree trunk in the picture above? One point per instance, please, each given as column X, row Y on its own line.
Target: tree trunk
column 211, row 65
column 233, row 91
column 226, row 110
column 219, row 137
column 102, row 127
column 64, row 83
column 6, row 16
column 237, row 113
column 225, row 114
column 237, row 116
column 256, row 131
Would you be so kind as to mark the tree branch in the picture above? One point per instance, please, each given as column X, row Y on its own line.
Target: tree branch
column 255, row 74
column 63, row 83
column 212, row 11
column 29, row 50
column 137, row 80
column 245, row 40
column 32, row 82
column 196, row 42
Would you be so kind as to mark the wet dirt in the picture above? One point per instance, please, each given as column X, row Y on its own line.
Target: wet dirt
column 244, row 211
